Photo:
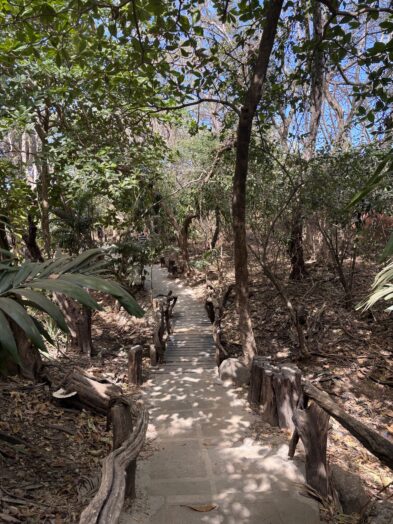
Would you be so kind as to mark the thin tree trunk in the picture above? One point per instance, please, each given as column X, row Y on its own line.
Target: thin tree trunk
column 295, row 247
column 183, row 236
column 216, row 233
column 247, row 113
column 4, row 244
column 296, row 251
column 44, row 181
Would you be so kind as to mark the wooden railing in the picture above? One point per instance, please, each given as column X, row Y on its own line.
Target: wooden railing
column 284, row 400
column 118, row 470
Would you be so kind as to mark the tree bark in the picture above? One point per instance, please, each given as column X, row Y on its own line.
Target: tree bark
column 295, row 247
column 30, row 240
column 42, row 129
column 216, row 233
column 4, row 244
column 296, row 251
column 78, row 320
column 247, row 113
column 183, row 236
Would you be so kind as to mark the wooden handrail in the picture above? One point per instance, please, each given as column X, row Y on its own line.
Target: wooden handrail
column 107, row 504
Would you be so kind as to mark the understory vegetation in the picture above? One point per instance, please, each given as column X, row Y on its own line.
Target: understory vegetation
column 242, row 143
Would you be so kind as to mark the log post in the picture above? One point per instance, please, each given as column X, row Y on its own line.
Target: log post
column 255, row 391
column 153, row 355
column 287, row 390
column 135, row 365
column 122, row 429
column 159, row 329
column 268, row 398
column 312, row 426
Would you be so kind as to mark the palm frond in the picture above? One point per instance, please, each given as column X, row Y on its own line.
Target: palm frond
column 28, row 287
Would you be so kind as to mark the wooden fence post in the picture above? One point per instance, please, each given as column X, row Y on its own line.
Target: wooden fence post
column 122, row 429
column 255, row 391
column 135, row 365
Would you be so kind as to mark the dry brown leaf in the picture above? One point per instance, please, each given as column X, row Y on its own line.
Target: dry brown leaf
column 204, row 508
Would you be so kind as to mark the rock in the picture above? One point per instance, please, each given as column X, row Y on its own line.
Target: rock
column 350, row 489
column 381, row 513
column 232, row 370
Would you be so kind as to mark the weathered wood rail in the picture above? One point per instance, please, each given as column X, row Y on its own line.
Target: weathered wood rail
column 215, row 309
column 118, row 470
column 284, row 400
column 163, row 306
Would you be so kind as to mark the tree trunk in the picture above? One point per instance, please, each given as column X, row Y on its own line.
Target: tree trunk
column 316, row 96
column 217, row 229
column 183, row 237
column 4, row 244
column 246, row 117
column 78, row 320
column 42, row 129
column 31, row 362
column 295, row 248
column 30, row 240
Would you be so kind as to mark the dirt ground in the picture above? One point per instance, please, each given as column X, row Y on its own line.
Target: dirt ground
column 49, row 473
column 351, row 355
column 51, row 469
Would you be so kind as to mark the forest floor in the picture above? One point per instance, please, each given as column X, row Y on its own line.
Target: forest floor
column 50, row 472
column 351, row 355
column 49, row 475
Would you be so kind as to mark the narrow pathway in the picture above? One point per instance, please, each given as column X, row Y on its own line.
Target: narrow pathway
column 202, row 454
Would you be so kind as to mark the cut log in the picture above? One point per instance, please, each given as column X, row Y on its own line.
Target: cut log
column 255, row 391
column 375, row 443
column 287, row 390
column 268, row 398
column 122, row 429
column 107, row 504
column 135, row 365
column 312, row 426
column 84, row 391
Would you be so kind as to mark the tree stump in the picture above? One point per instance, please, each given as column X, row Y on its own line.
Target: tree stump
column 84, row 391
column 135, row 365
column 268, row 398
column 122, row 429
column 287, row 389
column 255, row 390
column 312, row 426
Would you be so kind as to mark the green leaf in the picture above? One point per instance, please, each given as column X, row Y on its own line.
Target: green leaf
column 111, row 288
column 43, row 304
column 388, row 250
column 39, row 325
column 373, row 181
column 67, row 289
column 7, row 340
column 18, row 314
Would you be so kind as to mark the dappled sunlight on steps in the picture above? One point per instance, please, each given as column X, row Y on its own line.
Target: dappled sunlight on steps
column 200, row 435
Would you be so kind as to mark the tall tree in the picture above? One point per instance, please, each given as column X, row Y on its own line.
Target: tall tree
column 244, row 129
